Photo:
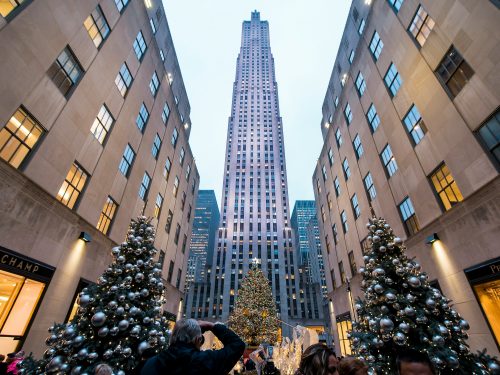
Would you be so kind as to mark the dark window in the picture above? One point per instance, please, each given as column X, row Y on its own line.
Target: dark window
column 355, row 206
column 358, row 147
column 97, row 26
column 18, row 137
column 165, row 113
column 392, row 79
column 348, row 114
column 389, row 162
column 170, row 271
column 446, row 187
column 123, row 80
column 168, row 225
column 127, row 160
column 414, row 124
column 338, row 137
column 323, row 171
column 347, row 171
column 65, row 72
column 490, row 135
column 142, row 117
column 161, row 258
column 373, row 118
column 168, row 167
column 342, row 272
column 421, row 26
column 352, row 264
column 335, row 234
column 343, row 218
column 370, row 188
column 409, row 218
column 337, row 186
column 361, row 26
column 454, row 72
column 139, row 46
column 179, row 276
column 360, row 86
column 121, row 4
column 330, row 156
column 156, row 146
column 184, row 243
column 376, row 45
column 177, row 234
column 144, row 188
column 154, row 84
column 175, row 135
column 395, row 4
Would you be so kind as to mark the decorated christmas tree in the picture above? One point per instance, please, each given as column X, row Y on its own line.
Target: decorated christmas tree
column 117, row 319
column 254, row 317
column 401, row 310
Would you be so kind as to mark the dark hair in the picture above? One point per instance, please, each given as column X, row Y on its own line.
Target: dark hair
column 351, row 366
column 314, row 360
column 413, row 356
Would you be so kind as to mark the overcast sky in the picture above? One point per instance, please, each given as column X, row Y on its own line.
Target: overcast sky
column 305, row 36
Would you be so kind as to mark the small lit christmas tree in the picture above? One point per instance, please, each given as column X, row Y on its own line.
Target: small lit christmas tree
column 117, row 319
column 401, row 310
column 254, row 317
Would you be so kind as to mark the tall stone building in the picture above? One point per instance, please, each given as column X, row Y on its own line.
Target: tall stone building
column 205, row 225
column 411, row 128
column 255, row 210
column 94, row 130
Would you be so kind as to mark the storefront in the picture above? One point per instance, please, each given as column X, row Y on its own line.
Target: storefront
column 344, row 325
column 485, row 281
column 23, row 282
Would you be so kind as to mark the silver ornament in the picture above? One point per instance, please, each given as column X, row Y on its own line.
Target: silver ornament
column 398, row 241
column 84, row 300
column 114, row 331
column 69, row 332
column 410, row 298
column 405, row 327
column 378, row 272
column 103, row 332
column 414, row 282
column 120, row 311
column 384, row 309
column 464, row 324
column 375, row 239
column 438, row 340
column 126, row 352
column 390, row 296
column 55, row 364
column 386, row 325
column 452, row 361
column 134, row 311
column 107, row 354
column 78, row 340
column 382, row 249
column 409, row 311
column 83, row 353
column 399, row 338
column 123, row 325
column 139, row 277
column 93, row 356
column 112, row 305
column 430, row 303
column 76, row 370
column 98, row 319
column 378, row 289
column 142, row 346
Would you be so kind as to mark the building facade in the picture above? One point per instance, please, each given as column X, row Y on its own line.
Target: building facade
column 254, row 207
column 205, row 225
column 411, row 128
column 94, row 130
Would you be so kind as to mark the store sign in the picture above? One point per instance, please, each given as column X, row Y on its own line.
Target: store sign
column 484, row 271
column 22, row 265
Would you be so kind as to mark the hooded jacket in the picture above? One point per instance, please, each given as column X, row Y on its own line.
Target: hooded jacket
column 186, row 359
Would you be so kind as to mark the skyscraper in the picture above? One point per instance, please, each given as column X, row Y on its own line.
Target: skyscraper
column 255, row 211
column 205, row 224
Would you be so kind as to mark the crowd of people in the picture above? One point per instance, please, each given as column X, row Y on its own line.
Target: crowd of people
column 8, row 365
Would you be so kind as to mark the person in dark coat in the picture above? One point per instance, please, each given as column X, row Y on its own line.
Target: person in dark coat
column 184, row 357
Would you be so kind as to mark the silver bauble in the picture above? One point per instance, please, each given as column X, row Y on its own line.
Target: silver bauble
column 377, row 343
column 386, row 325
column 438, row 340
column 146, row 320
column 142, row 346
column 430, row 303
column 399, row 338
column 384, row 309
column 134, row 311
column 114, row 331
column 69, row 332
column 414, row 282
column 464, row 324
column 120, row 259
column 372, row 227
column 139, row 277
column 390, row 245
column 112, row 305
column 378, row 272
column 382, row 249
column 405, row 327
column 396, row 262
column 84, row 300
column 409, row 311
column 98, row 319
column 76, row 370
column 83, row 353
column 121, row 297
column 93, row 356
column 452, row 361
column 378, row 289
column 443, row 330
column 55, row 364
column 103, row 332
column 123, row 325
column 107, row 354
column 398, row 241
column 438, row 362
column 375, row 239
column 410, row 298
column 120, row 372
column 131, row 296
column 115, row 250
column 379, row 232
column 49, row 353
column 120, row 311
column 494, row 368
column 390, row 296
column 78, row 340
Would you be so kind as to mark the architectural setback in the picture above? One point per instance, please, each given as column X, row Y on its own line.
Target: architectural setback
column 411, row 130
column 94, row 131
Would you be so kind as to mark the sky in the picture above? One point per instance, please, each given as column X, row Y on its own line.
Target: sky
column 305, row 36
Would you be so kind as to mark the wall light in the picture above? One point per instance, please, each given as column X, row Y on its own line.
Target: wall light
column 85, row 237
column 431, row 239
column 327, row 125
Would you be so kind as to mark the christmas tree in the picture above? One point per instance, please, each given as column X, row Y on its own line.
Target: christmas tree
column 117, row 319
column 254, row 317
column 401, row 310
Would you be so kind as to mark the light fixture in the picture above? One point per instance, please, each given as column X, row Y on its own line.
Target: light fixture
column 327, row 125
column 186, row 125
column 368, row 2
column 85, row 237
column 431, row 239
column 148, row 3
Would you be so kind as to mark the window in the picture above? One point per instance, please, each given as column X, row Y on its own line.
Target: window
column 144, row 188
column 168, row 225
column 351, row 57
column 162, row 55
column 176, row 186
column 338, row 137
column 170, row 271
column 166, row 170
column 19, row 137
column 156, row 146
column 395, row 4
column 446, row 187
column 323, row 171
column 330, row 156
column 123, row 80
column 414, row 124
column 343, row 218
column 342, row 272
column 332, row 274
column 179, row 277
column 392, row 79
column 127, row 160
column 188, row 172
column 409, row 218
column 65, row 72
column 389, row 162
column 373, row 118
column 142, row 117
column 182, row 154
column 153, row 26
column 72, row 186
column 97, row 26
column 348, row 114
column 358, row 147
column 154, row 84
column 158, row 204
column 177, row 234
column 360, row 84
column 421, row 26
column 323, row 215
column 175, row 135
column 335, row 234
column 369, row 186
column 336, row 101
column 347, row 171
column 361, row 26
column 102, row 124
column 121, row 4
column 107, row 215
column 183, row 200
column 165, row 113
column 161, row 258
column 376, row 45
column 355, row 206
column 6, row 7
column 337, row 186
column 329, row 200
column 352, row 263
column 344, row 326
column 454, row 72
column 490, row 135
column 139, row 46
